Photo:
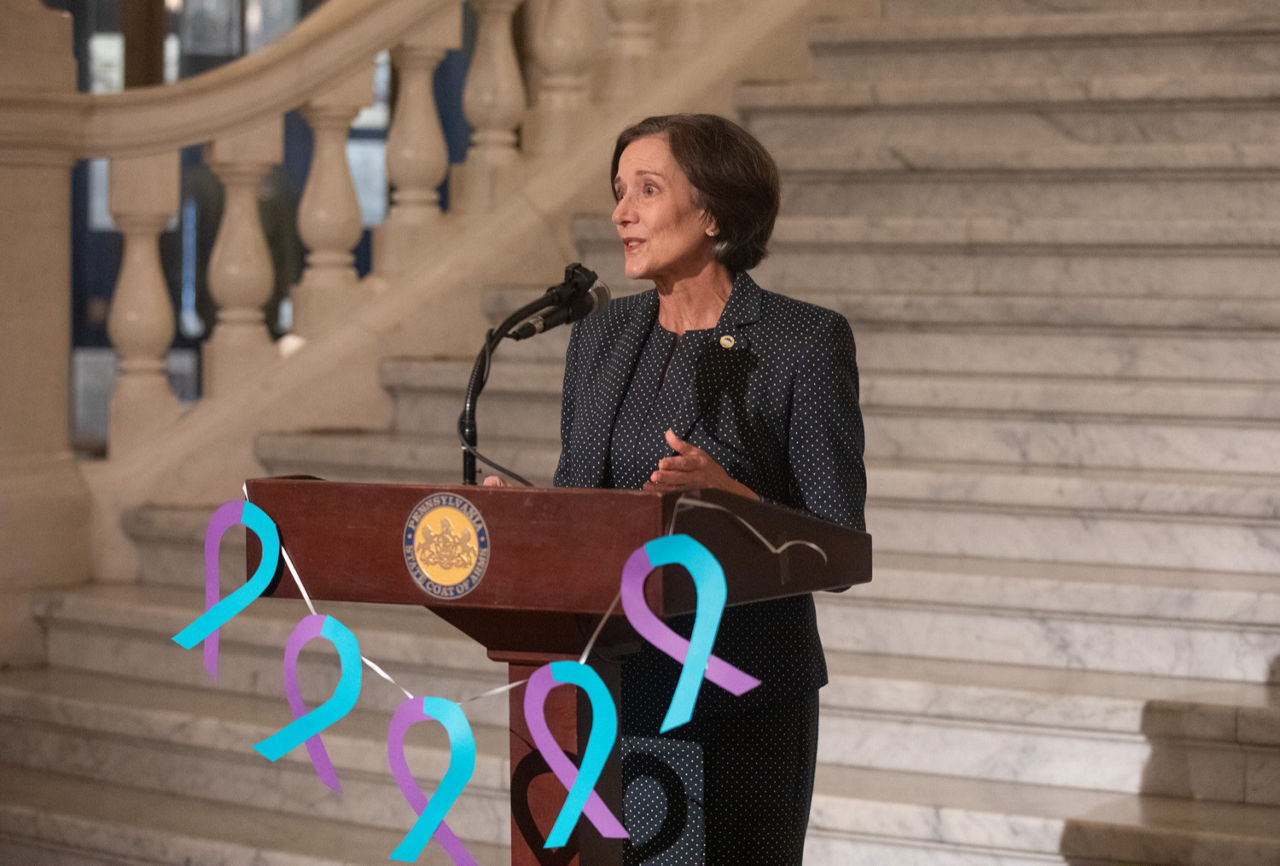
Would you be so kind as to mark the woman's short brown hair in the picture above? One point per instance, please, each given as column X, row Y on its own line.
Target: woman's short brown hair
column 735, row 178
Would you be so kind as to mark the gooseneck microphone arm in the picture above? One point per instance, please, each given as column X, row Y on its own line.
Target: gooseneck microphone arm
column 578, row 282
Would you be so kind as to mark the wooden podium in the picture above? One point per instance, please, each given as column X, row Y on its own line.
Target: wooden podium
column 555, row 564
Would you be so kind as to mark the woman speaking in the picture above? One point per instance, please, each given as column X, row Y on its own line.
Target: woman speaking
column 708, row 380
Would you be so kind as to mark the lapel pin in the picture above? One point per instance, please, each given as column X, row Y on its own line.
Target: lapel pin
column 727, row 341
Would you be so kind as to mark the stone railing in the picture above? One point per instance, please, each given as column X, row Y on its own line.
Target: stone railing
column 507, row 126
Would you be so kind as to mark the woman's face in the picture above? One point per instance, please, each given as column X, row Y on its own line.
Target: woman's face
column 665, row 235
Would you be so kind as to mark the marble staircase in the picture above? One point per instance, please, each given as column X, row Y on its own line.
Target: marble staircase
column 1052, row 225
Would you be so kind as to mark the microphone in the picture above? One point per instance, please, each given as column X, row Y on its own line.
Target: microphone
column 578, row 304
column 581, row 294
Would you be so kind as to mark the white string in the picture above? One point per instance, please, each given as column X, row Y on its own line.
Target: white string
column 386, row 676
column 684, row 503
column 582, row 659
column 297, row 580
column 498, row 690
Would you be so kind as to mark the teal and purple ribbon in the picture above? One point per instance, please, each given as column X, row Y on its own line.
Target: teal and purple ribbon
column 306, row 726
column 695, row 654
column 218, row 613
column 462, row 763
column 579, row 782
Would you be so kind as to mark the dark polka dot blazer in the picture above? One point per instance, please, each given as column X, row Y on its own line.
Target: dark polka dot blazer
column 776, row 405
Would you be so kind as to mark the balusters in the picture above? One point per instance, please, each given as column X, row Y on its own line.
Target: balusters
column 631, row 47
column 494, row 103
column 417, row 157
column 144, row 195
column 241, row 275
column 561, row 43
column 329, row 219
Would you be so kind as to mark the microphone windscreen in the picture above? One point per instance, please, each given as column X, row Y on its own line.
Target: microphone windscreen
column 600, row 297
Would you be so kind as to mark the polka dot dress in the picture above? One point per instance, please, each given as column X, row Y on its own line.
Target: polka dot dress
column 771, row 394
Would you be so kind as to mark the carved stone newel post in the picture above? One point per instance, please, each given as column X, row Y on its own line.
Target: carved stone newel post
column 44, row 503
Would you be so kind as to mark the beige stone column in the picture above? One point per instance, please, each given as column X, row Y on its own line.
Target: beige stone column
column 44, row 504
column 493, row 101
column 562, row 39
column 329, row 220
column 240, row 270
column 417, row 155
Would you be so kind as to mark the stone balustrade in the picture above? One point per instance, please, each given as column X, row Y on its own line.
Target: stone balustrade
column 568, row 43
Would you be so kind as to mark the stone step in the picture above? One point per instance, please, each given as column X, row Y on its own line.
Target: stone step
column 398, row 458
column 1049, row 727
column 1099, row 311
column 1058, row 700
column 1075, row 535
column 126, row 631
column 1105, row 194
column 186, row 742
column 897, row 9
column 1145, row 42
column 50, row 819
column 1151, row 399
column 1048, row 350
column 522, row 398
column 1073, row 440
column 1161, row 620
column 525, row 397
column 990, row 255
column 1211, row 521
column 1058, row 340
column 1035, row 112
column 1174, row 494
column 875, row 817
column 1075, row 161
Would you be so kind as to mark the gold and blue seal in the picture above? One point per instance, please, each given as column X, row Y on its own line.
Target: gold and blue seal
column 446, row 545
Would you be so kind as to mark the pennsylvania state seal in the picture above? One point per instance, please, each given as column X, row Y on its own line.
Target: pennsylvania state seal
column 446, row 545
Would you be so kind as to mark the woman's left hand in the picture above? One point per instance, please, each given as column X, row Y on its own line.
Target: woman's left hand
column 690, row 469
